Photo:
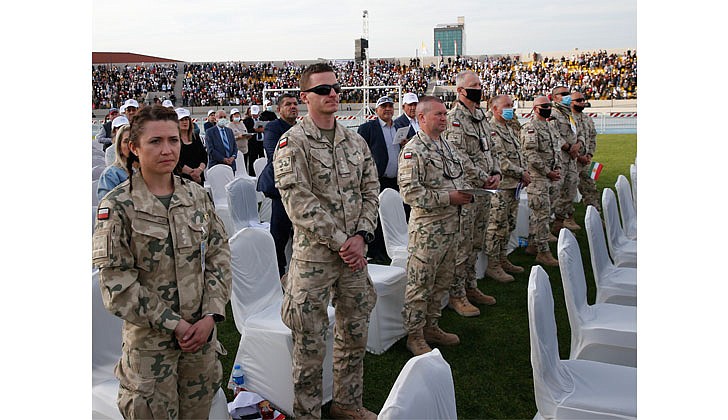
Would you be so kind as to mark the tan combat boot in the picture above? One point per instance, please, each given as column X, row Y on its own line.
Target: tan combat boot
column 434, row 335
column 416, row 343
column 495, row 271
column 546, row 258
column 337, row 412
column 462, row 306
column 474, row 295
column 553, row 238
column 509, row 267
column 571, row 224
column 531, row 249
column 556, row 227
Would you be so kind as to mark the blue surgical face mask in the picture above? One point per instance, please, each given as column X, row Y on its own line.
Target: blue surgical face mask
column 566, row 100
column 222, row 122
column 507, row 113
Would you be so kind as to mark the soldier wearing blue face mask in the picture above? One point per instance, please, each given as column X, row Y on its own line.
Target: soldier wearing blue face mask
column 572, row 140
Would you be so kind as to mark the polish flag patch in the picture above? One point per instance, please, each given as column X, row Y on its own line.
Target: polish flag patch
column 456, row 123
column 407, row 155
column 283, row 143
column 103, row 213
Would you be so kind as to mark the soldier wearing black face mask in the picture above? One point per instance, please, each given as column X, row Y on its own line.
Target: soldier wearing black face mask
column 584, row 123
column 540, row 144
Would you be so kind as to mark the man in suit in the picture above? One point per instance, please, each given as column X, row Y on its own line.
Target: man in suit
column 379, row 135
column 408, row 118
column 255, row 144
column 220, row 142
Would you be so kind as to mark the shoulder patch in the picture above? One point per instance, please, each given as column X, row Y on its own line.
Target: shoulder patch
column 492, row 133
column 531, row 131
column 283, row 143
column 456, row 123
column 103, row 213
column 407, row 155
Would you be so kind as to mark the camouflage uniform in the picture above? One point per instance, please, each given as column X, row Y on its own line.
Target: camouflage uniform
column 434, row 223
column 540, row 143
column 158, row 266
column 504, row 203
column 587, row 186
column 565, row 124
column 330, row 192
column 471, row 134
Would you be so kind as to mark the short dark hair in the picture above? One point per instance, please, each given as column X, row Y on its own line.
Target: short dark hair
column 286, row 95
column 313, row 69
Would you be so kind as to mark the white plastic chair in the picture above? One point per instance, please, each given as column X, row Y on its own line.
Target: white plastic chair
column 572, row 389
column 626, row 207
column 423, row 390
column 603, row 332
column 394, row 226
column 386, row 324
column 217, row 178
column 633, row 180
column 106, row 342
column 622, row 250
column 243, row 203
column 266, row 345
column 614, row 284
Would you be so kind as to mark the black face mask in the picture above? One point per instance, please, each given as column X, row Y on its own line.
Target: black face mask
column 474, row 95
column 578, row 108
column 545, row 113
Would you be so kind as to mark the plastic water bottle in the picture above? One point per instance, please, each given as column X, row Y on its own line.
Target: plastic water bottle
column 238, row 379
column 522, row 242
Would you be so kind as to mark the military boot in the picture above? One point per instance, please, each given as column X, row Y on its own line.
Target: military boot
column 508, row 267
column 556, row 227
column 336, row 412
column 571, row 224
column 531, row 249
column 462, row 306
column 546, row 258
column 495, row 271
column 434, row 335
column 416, row 343
column 477, row 297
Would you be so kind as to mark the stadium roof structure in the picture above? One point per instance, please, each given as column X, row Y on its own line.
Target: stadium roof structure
column 126, row 57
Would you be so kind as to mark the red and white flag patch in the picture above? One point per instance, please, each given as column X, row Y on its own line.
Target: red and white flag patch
column 407, row 155
column 283, row 143
column 102, row 213
column 456, row 123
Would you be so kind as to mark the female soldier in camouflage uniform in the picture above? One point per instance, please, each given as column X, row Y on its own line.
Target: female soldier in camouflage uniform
column 165, row 270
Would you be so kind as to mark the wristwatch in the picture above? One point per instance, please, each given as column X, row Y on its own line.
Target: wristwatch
column 216, row 317
column 368, row 237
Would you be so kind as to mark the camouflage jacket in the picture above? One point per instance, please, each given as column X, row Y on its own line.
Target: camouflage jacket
column 471, row 134
column 330, row 191
column 508, row 147
column 585, row 125
column 565, row 124
column 540, row 147
column 424, row 186
column 159, row 265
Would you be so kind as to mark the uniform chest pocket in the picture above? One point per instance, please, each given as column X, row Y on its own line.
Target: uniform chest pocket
column 189, row 235
column 354, row 163
column 321, row 166
column 149, row 238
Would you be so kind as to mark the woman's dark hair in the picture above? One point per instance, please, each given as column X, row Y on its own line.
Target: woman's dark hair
column 148, row 113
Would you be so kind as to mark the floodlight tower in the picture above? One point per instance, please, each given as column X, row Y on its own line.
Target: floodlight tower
column 365, row 35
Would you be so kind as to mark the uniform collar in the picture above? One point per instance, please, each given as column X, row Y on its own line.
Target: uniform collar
column 147, row 202
column 310, row 129
column 478, row 114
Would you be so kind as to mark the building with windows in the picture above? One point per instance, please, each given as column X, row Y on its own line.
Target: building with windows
column 449, row 38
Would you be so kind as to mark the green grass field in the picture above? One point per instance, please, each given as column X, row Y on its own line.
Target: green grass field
column 491, row 367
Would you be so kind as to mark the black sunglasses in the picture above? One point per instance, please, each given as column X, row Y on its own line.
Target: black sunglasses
column 324, row 90
column 579, row 100
column 562, row 93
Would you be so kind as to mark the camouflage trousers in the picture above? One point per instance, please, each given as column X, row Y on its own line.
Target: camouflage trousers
column 168, row 384
column 564, row 205
column 502, row 221
column 309, row 288
column 588, row 187
column 540, row 193
column 471, row 240
column 430, row 271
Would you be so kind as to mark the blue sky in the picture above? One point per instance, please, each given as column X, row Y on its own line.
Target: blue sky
column 241, row 30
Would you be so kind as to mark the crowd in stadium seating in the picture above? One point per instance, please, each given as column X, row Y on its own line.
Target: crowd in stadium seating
column 597, row 74
column 113, row 84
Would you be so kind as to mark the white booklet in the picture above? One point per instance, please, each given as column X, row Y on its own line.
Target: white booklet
column 400, row 135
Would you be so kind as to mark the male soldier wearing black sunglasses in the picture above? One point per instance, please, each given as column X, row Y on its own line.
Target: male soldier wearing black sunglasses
column 329, row 187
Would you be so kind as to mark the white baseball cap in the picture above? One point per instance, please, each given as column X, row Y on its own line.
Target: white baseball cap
column 409, row 98
column 119, row 121
column 234, row 111
column 182, row 113
column 167, row 104
column 254, row 109
column 131, row 102
column 210, row 112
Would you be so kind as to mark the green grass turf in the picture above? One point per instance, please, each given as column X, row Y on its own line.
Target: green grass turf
column 491, row 368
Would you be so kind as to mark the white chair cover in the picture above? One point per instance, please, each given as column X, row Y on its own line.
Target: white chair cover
column 626, row 207
column 622, row 250
column 96, row 171
column 394, row 226
column 94, row 190
column 386, row 324
column 106, row 352
column 241, row 168
column 110, row 155
column 633, row 179
column 258, row 165
column 572, row 389
column 265, row 344
column 265, row 202
column 423, row 390
column 602, row 332
column 521, row 230
column 614, row 284
column 217, row 178
column 243, row 203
